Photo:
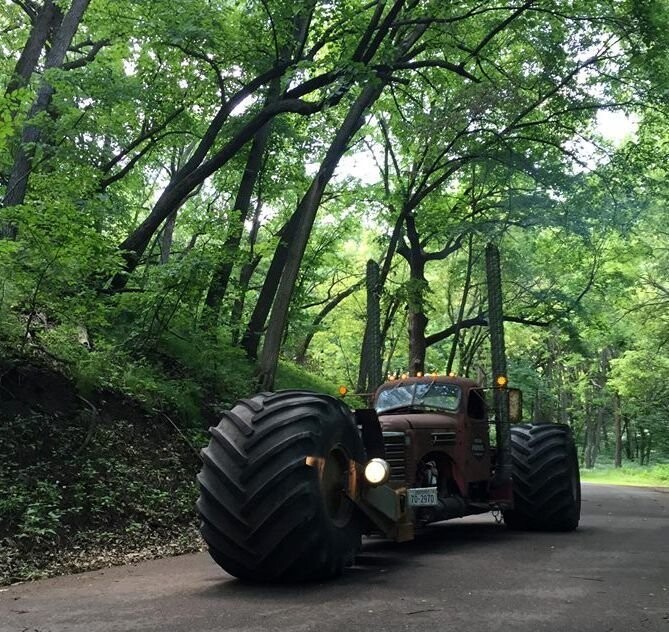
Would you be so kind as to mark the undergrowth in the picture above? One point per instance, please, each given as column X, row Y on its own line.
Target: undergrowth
column 630, row 474
column 99, row 446
column 125, row 480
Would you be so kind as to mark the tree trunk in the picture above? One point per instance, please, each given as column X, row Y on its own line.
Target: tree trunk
column 237, row 311
column 603, row 429
column 221, row 276
column 373, row 350
column 617, row 430
column 417, row 347
column 308, row 208
column 17, row 184
column 47, row 18
column 363, row 368
column 498, row 353
column 363, row 365
column 564, row 404
column 254, row 330
column 166, row 238
column 389, row 317
column 245, row 274
column 416, row 288
column 626, row 432
column 392, row 349
column 597, row 435
column 463, row 304
column 588, row 437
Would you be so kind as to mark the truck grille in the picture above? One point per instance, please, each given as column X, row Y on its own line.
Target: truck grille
column 440, row 439
column 395, row 446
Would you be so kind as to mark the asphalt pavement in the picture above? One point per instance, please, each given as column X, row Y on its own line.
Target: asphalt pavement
column 611, row 575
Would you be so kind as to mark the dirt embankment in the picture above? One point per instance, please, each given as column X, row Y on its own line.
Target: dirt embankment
column 91, row 481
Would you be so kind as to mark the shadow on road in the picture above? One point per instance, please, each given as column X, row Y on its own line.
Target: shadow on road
column 381, row 556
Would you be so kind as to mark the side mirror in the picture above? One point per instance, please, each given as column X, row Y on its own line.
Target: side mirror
column 515, row 396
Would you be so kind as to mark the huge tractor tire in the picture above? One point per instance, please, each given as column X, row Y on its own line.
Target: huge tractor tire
column 546, row 479
column 276, row 487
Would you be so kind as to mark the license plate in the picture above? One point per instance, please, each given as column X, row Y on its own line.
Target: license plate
column 422, row 497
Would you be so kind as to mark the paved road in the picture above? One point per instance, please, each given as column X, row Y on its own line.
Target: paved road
column 612, row 575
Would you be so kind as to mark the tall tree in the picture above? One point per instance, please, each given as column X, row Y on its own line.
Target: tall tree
column 17, row 183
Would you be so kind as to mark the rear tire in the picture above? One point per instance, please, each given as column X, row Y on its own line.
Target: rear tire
column 275, row 488
column 546, row 479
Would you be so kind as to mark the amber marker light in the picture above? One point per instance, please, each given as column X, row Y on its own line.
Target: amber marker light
column 377, row 472
column 343, row 390
column 501, row 381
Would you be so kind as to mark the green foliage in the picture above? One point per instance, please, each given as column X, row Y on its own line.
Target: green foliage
column 486, row 130
column 37, row 511
column 413, row 292
column 655, row 476
column 291, row 376
column 61, row 476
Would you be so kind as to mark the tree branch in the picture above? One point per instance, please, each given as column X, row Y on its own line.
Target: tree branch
column 95, row 48
column 500, row 27
column 436, row 63
column 452, row 246
column 145, row 135
column 480, row 321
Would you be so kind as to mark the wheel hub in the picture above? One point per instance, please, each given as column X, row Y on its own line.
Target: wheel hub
column 336, row 485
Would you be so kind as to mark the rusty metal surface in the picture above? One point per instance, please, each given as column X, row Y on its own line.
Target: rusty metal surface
column 458, row 443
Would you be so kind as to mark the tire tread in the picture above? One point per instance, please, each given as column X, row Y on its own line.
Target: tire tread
column 544, row 464
column 263, row 517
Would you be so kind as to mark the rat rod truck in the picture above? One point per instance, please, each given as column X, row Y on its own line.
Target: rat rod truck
column 291, row 480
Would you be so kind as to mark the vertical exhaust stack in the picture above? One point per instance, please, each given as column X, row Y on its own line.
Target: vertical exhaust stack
column 501, row 402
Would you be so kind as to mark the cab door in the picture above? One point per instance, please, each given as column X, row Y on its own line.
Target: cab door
column 477, row 443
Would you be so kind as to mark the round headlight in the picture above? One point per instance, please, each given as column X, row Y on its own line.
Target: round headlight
column 377, row 472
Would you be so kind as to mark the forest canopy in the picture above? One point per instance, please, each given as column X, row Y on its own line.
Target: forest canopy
column 192, row 191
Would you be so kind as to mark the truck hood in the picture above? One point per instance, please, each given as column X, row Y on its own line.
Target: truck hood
column 414, row 421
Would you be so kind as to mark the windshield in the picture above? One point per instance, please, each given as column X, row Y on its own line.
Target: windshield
column 426, row 395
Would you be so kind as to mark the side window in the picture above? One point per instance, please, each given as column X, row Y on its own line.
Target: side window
column 476, row 405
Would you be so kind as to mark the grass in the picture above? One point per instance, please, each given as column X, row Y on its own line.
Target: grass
column 652, row 476
column 291, row 375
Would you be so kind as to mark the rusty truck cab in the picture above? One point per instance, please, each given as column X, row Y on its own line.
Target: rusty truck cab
column 436, row 431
